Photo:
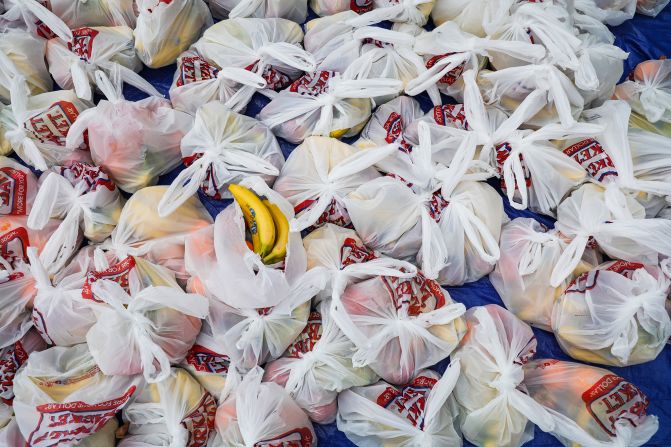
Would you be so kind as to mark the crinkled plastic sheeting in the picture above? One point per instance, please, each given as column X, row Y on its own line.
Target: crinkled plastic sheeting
column 644, row 38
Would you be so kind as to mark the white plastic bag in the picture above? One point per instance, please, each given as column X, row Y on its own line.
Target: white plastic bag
column 649, row 91
column 222, row 148
column 294, row 10
column 317, row 366
column 57, row 387
column 80, row 13
column 12, row 357
column 87, row 202
column 22, row 54
column 18, row 186
column 408, row 11
column 175, row 411
column 477, row 17
column 389, row 124
column 600, row 67
column 33, row 16
column 206, row 363
column 398, row 325
column 651, row 7
column 416, row 414
column 144, row 331
column 610, row 12
column 133, row 141
column 332, row 7
column 166, row 28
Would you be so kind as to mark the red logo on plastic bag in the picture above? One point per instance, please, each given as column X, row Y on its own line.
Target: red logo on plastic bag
column 207, row 361
column 13, row 191
column 10, row 362
column 437, row 205
column 299, row 437
column 200, row 422
column 92, row 175
column 452, row 114
column 117, row 273
column 625, row 268
column 195, row 69
column 353, row 253
column 394, row 128
column 312, row 84
column 14, row 246
column 275, row 79
column 591, row 156
column 451, row 76
column 612, row 399
column 82, row 42
column 65, row 424
column 361, row 6
column 502, row 153
column 308, row 338
column 410, row 401
column 41, row 325
column 52, row 125
column 415, row 295
column 332, row 214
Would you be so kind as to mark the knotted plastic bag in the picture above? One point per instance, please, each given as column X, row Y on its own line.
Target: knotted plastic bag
column 22, row 54
column 389, row 124
column 478, row 17
column 12, row 357
column 33, row 16
column 332, row 7
column 648, row 91
column 407, row 11
column 294, row 10
column 610, row 12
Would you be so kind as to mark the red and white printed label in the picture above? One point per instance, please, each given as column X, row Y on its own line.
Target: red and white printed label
column 451, row 76
column 92, row 175
column 588, row 280
column 299, row 437
column 13, row 191
column 65, row 424
column 312, row 84
column 10, row 362
column 53, row 124
column 200, row 422
column 361, row 6
column 394, row 128
column 414, row 296
column 14, row 246
column 211, row 185
column 353, row 253
column 195, row 69
column 334, row 213
column 118, row 273
column 590, row 155
column 408, row 402
column 625, row 268
column 308, row 338
column 41, row 325
column 207, row 361
column 502, row 153
column 82, row 42
column 275, row 79
column 613, row 399
column 437, row 205
column 450, row 114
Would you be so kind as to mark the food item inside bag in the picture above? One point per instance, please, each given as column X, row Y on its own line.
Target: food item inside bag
column 175, row 411
column 320, row 173
column 33, row 16
column 369, row 313
column 73, row 63
column 324, row 103
column 614, row 314
column 294, row 10
column 87, row 202
column 80, row 13
column 22, row 54
column 416, row 413
column 592, row 406
column 262, row 413
column 332, row 7
column 165, row 29
column 59, row 385
column 476, row 17
column 221, row 149
column 12, row 357
column 206, row 363
column 133, row 141
column 37, row 126
column 317, row 366
column 648, row 90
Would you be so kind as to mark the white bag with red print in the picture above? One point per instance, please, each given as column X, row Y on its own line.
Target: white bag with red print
column 222, row 148
column 614, row 314
column 207, row 363
column 22, row 54
column 347, row 259
column 93, row 12
column 262, row 413
column 389, row 124
column 600, row 68
column 332, row 7
column 407, row 11
column 198, row 81
column 73, row 63
column 448, row 52
column 133, row 141
column 592, row 407
column 325, row 103
column 56, row 387
column 398, row 325
column 33, row 16
column 37, row 126
column 648, row 91
column 415, row 414
column 19, row 187
column 478, row 17
column 176, row 411
column 165, row 28
column 269, row 48
column 317, row 366
column 86, row 201
column 320, row 173
column 11, row 359
column 294, row 10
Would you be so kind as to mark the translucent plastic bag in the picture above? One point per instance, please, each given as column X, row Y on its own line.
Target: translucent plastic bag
column 651, row 7
column 73, row 63
column 294, row 10
column 19, row 187
column 408, row 11
column 222, row 148
column 610, row 12
column 389, row 124
column 256, row 413
column 133, row 141
column 649, row 91
column 12, row 357
column 34, row 17
column 415, row 414
column 370, row 313
column 206, row 362
column 476, row 17
column 144, row 331
column 614, row 314
column 320, row 173
column 80, row 13
column 174, row 411
column 332, row 7
column 22, row 54
column 317, row 366
column 57, row 387
column 600, row 68
column 166, row 29
column 85, row 199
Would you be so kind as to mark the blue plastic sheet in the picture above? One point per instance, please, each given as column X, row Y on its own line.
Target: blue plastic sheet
column 644, row 38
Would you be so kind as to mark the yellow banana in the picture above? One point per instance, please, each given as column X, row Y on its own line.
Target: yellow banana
column 257, row 217
column 279, row 251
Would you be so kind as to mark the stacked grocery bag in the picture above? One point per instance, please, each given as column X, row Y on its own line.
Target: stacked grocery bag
column 196, row 270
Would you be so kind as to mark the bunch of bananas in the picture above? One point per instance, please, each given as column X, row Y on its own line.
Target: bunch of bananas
column 267, row 225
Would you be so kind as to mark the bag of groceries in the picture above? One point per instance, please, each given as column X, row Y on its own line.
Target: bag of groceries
column 390, row 124
column 60, row 393
column 207, row 363
column 614, row 314
column 648, row 91
column 320, row 173
column 12, row 357
column 73, row 63
column 222, row 148
column 133, row 141
column 294, row 10
column 325, row 103
column 370, row 313
column 333, row 7
column 610, row 12
column 33, row 16
column 479, row 17
column 36, row 127
column 600, row 67
column 415, row 12
column 80, row 13
column 22, row 54
column 415, row 414
column 261, row 413
column 165, row 29
column 85, row 199
column 317, row 366
column 175, row 411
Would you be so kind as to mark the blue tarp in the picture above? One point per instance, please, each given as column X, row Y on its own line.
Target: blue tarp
column 644, row 38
